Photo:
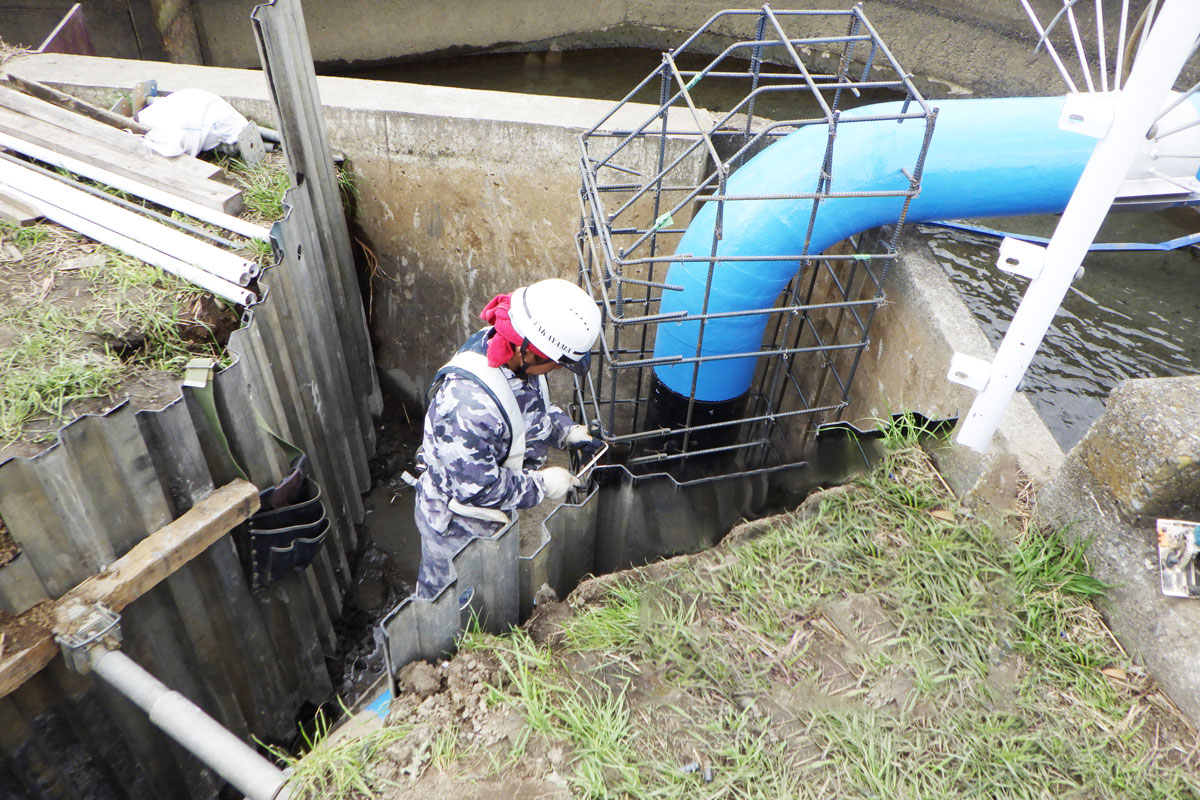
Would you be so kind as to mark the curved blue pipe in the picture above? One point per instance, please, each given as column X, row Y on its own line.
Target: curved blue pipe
column 987, row 158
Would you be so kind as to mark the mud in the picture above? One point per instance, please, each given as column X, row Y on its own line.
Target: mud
column 384, row 569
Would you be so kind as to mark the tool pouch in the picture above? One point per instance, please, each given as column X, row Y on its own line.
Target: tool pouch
column 287, row 531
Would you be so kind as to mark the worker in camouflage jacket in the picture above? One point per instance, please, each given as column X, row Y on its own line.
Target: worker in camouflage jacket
column 490, row 423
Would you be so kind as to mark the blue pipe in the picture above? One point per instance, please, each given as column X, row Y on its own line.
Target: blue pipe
column 987, row 158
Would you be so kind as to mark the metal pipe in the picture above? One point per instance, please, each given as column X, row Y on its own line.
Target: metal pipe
column 186, row 723
column 92, row 190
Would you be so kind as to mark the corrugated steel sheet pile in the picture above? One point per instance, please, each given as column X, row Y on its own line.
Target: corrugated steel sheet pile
column 303, row 371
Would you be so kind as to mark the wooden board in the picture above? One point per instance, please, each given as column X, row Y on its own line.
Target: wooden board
column 146, row 166
column 146, row 565
column 124, row 141
column 15, row 212
column 52, row 95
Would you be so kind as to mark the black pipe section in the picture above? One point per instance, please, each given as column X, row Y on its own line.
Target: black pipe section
column 669, row 409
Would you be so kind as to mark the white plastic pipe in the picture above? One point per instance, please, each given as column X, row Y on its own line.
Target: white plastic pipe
column 1138, row 104
column 163, row 198
column 205, row 280
column 200, row 254
column 183, row 721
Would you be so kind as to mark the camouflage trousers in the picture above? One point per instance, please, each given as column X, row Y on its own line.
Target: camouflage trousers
column 438, row 549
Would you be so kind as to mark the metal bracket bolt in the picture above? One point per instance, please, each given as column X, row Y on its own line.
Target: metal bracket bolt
column 97, row 625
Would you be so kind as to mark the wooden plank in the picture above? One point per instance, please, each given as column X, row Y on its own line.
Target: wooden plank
column 72, row 103
column 16, row 212
column 145, row 166
column 76, row 125
column 124, row 141
column 141, row 569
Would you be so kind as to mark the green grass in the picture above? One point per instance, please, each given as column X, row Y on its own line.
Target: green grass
column 343, row 769
column 125, row 315
column 992, row 638
column 44, row 372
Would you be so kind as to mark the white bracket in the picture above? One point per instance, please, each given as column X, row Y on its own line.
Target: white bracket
column 1018, row 257
column 1089, row 113
column 969, row 371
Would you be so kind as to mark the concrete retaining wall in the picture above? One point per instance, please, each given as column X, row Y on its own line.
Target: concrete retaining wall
column 904, row 368
column 984, row 47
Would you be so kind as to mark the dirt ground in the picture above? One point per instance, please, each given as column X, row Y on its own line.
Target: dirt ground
column 86, row 328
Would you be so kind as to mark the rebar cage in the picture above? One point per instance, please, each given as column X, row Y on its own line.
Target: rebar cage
column 646, row 172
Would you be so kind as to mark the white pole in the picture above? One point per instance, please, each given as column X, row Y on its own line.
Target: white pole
column 1139, row 103
column 205, row 280
column 163, row 198
column 200, row 734
column 203, row 255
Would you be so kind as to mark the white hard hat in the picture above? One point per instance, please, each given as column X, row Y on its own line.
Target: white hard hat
column 559, row 319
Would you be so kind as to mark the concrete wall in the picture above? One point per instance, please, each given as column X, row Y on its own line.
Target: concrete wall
column 904, row 368
column 984, row 47
column 380, row 30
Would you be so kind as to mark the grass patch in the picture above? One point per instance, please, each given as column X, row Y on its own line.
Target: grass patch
column 82, row 319
column 878, row 643
column 263, row 186
column 339, row 769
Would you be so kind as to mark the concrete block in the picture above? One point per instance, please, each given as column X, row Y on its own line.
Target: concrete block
column 1139, row 460
column 1144, row 450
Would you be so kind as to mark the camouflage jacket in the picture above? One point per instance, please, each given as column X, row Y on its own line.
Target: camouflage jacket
column 465, row 442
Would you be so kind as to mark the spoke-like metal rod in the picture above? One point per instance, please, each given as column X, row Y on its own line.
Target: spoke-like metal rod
column 1037, row 26
column 1069, row 5
column 1171, row 107
column 1119, row 67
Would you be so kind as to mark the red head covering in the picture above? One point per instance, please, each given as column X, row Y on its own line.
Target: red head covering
column 506, row 341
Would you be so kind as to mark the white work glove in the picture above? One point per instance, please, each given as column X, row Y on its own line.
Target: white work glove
column 580, row 441
column 557, row 481
column 578, row 434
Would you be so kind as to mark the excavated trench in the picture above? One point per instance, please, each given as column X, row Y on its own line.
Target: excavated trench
column 627, row 519
column 640, row 517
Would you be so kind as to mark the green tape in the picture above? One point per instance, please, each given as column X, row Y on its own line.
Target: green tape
column 198, row 375
column 664, row 221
